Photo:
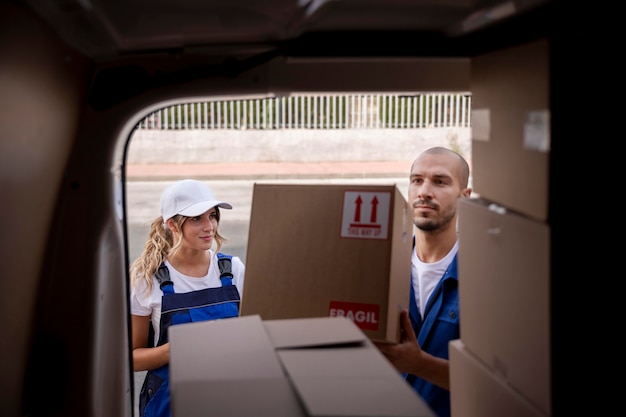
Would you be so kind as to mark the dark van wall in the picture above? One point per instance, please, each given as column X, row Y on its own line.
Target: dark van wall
column 64, row 121
column 41, row 85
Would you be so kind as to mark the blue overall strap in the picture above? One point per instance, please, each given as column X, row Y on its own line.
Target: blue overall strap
column 414, row 313
column 200, row 305
column 163, row 277
column 224, row 262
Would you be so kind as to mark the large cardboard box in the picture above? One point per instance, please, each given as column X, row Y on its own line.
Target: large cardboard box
column 319, row 250
column 504, row 290
column 477, row 391
column 511, row 127
column 322, row 367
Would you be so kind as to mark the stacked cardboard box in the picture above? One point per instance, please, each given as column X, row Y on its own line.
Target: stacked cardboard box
column 511, row 128
column 504, row 290
column 502, row 363
column 319, row 250
column 479, row 391
column 323, row 367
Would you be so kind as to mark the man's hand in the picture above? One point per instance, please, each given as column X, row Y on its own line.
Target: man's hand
column 406, row 355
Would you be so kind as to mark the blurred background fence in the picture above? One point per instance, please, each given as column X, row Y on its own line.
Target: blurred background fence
column 318, row 111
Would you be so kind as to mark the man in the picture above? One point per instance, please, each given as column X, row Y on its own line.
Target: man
column 439, row 177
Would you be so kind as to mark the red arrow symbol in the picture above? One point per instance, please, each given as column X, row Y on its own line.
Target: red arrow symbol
column 357, row 213
column 374, row 206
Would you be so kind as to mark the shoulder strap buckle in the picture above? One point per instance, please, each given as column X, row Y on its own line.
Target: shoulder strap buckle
column 225, row 264
column 163, row 276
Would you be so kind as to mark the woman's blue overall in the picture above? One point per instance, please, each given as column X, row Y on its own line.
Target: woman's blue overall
column 201, row 305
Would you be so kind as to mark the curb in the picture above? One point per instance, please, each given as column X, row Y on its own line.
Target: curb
column 268, row 170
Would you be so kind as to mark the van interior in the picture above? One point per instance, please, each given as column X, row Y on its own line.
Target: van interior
column 77, row 76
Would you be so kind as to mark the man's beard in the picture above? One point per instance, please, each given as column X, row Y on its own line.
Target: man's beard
column 432, row 225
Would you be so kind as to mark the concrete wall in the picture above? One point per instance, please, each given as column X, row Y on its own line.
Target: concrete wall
column 291, row 145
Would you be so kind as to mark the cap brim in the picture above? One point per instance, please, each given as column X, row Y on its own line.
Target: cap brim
column 204, row 206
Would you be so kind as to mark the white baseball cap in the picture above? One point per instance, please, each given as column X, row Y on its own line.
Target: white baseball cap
column 189, row 198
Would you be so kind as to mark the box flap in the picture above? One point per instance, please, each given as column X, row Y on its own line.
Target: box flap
column 232, row 349
column 240, row 398
column 351, row 381
column 228, row 368
column 311, row 332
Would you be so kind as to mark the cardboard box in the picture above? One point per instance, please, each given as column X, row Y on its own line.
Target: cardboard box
column 476, row 391
column 330, row 250
column 511, row 127
column 243, row 367
column 504, row 290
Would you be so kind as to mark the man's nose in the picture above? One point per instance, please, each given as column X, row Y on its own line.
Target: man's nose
column 425, row 190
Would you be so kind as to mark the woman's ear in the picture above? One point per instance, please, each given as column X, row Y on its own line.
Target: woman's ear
column 171, row 224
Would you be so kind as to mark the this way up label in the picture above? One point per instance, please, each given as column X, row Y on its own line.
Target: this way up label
column 366, row 214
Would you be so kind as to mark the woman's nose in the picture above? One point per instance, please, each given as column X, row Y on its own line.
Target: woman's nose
column 207, row 224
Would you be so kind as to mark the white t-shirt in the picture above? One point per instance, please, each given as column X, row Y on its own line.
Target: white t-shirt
column 142, row 305
column 425, row 276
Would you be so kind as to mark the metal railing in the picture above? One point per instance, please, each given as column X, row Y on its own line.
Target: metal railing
column 307, row 111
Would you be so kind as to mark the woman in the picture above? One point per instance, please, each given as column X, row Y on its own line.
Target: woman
column 179, row 249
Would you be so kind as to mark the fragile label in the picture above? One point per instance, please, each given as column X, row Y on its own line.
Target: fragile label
column 366, row 214
column 365, row 316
